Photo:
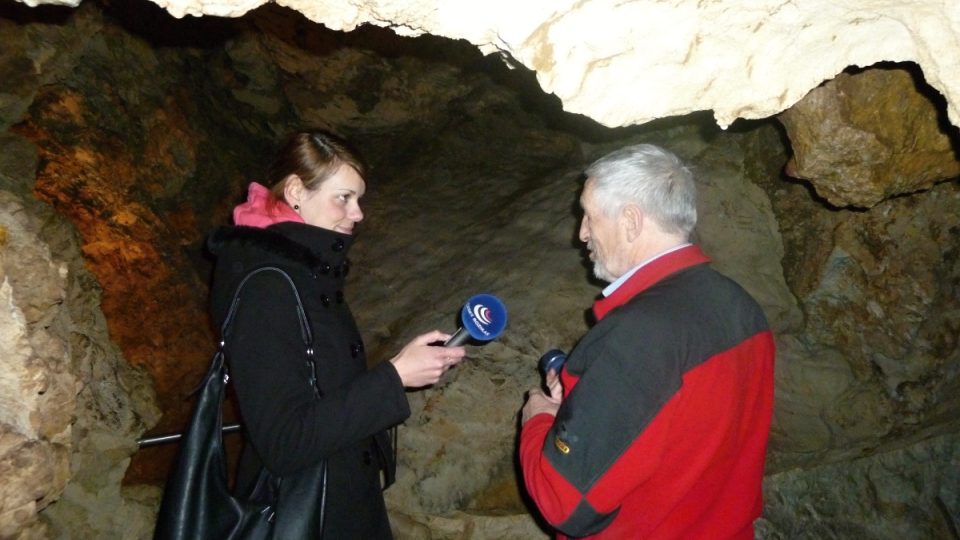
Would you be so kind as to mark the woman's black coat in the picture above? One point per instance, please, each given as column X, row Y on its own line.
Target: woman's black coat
column 288, row 428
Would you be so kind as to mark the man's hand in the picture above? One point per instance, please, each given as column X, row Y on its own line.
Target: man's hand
column 538, row 402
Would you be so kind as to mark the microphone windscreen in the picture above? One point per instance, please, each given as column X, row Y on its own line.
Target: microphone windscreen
column 484, row 317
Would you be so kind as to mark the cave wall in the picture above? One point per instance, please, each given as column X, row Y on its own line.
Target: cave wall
column 473, row 187
column 71, row 405
column 112, row 160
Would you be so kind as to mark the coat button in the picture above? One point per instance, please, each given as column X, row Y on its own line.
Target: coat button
column 354, row 349
column 338, row 245
column 325, row 268
column 325, row 300
column 367, row 457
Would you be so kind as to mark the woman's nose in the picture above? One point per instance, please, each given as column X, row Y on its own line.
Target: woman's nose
column 356, row 214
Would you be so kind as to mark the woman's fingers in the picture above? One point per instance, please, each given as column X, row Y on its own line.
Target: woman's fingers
column 420, row 364
column 430, row 337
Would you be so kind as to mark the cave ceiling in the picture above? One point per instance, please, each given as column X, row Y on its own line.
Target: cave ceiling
column 738, row 59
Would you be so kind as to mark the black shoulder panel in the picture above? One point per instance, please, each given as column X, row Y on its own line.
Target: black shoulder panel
column 585, row 520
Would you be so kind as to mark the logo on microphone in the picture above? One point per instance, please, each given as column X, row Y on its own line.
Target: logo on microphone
column 484, row 316
column 482, row 312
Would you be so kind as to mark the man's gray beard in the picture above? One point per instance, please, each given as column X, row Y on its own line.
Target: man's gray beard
column 601, row 272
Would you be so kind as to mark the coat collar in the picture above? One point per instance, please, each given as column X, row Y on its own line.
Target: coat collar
column 297, row 242
column 651, row 273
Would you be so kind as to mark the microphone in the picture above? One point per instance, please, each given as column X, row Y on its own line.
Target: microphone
column 552, row 359
column 483, row 318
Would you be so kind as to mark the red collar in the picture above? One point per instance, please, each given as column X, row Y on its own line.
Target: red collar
column 651, row 273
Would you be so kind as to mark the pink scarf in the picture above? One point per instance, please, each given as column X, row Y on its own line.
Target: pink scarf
column 259, row 210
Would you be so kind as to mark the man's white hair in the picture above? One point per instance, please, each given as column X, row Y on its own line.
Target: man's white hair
column 650, row 177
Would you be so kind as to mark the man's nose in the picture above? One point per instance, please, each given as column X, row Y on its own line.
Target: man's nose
column 584, row 232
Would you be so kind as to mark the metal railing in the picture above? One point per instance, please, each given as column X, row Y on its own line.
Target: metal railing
column 174, row 437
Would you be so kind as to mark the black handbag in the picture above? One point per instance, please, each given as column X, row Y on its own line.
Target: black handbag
column 197, row 503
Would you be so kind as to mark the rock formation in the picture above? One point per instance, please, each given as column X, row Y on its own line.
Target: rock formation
column 126, row 134
column 626, row 63
column 902, row 141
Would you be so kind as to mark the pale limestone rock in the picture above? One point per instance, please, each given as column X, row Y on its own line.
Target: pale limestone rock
column 625, row 63
column 70, row 407
column 37, row 390
column 35, row 3
column 227, row 8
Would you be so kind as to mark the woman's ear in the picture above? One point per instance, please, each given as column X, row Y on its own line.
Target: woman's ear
column 292, row 189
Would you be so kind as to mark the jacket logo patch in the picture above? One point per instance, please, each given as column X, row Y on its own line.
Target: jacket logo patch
column 563, row 447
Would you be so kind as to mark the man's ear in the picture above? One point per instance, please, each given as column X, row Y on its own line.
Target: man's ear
column 292, row 189
column 632, row 218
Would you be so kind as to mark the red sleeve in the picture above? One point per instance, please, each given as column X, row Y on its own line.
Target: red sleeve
column 555, row 497
column 558, row 499
column 603, row 444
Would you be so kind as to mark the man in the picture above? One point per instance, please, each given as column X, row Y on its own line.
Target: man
column 657, row 425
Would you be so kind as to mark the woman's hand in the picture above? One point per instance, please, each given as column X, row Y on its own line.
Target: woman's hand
column 421, row 364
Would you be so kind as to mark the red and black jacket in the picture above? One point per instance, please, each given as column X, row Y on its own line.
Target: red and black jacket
column 667, row 403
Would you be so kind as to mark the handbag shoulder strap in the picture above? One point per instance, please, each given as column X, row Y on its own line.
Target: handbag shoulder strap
column 305, row 332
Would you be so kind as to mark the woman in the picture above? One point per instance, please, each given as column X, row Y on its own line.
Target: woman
column 304, row 223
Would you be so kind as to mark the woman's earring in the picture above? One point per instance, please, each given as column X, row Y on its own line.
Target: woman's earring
column 296, row 207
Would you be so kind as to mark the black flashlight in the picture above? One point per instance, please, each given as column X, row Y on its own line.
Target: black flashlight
column 552, row 359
